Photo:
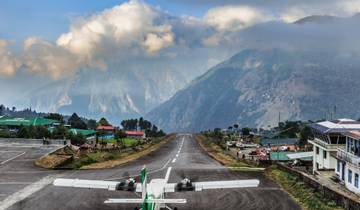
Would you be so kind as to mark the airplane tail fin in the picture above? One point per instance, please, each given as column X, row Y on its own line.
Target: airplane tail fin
column 144, row 185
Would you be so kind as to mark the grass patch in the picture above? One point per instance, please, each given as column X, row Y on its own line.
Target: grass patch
column 127, row 141
column 109, row 159
column 220, row 154
column 305, row 196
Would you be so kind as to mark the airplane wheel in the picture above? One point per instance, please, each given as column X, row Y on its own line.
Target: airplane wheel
column 175, row 208
column 136, row 208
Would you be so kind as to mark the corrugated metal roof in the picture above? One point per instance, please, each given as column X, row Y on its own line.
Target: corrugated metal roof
column 76, row 131
column 299, row 155
column 137, row 133
column 353, row 134
column 336, row 126
column 38, row 121
column 105, row 127
column 279, row 141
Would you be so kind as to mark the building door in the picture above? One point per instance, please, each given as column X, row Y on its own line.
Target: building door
column 343, row 170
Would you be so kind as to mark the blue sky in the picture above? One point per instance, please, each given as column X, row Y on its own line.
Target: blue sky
column 20, row 19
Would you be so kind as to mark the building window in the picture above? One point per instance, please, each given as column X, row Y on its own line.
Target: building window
column 324, row 154
column 356, row 180
column 349, row 176
column 338, row 166
column 317, row 150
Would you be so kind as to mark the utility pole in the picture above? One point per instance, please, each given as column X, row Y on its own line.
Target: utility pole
column 279, row 119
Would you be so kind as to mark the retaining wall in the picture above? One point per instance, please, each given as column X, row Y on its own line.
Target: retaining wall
column 340, row 199
column 35, row 141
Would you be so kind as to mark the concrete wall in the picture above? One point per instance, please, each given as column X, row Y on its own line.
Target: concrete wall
column 351, row 186
column 341, row 200
column 34, row 141
column 324, row 163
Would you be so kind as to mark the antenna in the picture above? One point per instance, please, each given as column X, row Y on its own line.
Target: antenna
column 279, row 119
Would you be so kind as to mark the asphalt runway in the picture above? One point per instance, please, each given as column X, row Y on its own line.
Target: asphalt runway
column 186, row 159
column 17, row 169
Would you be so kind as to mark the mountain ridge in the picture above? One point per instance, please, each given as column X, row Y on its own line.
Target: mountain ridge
column 253, row 86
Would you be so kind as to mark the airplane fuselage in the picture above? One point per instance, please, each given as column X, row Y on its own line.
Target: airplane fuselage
column 156, row 190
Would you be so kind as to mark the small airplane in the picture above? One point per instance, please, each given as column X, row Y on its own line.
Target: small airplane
column 153, row 193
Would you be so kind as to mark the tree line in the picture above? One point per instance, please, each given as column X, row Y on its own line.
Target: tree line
column 150, row 129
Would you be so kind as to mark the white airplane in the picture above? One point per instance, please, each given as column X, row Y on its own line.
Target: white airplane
column 153, row 192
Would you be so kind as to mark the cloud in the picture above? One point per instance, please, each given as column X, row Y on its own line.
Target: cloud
column 130, row 25
column 297, row 10
column 135, row 31
column 233, row 18
column 42, row 57
column 154, row 42
column 132, row 29
column 8, row 62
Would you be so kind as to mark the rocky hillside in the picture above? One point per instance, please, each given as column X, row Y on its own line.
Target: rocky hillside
column 253, row 86
column 112, row 94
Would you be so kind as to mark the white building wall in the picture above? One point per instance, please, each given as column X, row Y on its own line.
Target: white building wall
column 351, row 186
column 323, row 163
column 332, row 161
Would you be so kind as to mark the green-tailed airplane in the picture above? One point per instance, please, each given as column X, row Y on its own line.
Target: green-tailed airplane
column 153, row 192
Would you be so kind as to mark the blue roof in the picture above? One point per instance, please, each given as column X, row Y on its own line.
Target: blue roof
column 279, row 141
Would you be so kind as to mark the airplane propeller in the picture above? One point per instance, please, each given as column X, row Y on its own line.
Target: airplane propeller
column 186, row 184
column 191, row 178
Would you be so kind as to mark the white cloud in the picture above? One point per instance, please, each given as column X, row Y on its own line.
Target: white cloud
column 129, row 25
column 154, row 42
column 234, row 18
column 341, row 8
column 8, row 62
column 42, row 57
column 134, row 30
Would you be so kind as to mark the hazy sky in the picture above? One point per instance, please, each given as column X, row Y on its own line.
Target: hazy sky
column 43, row 41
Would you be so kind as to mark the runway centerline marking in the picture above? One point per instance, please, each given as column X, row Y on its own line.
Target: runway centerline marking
column 149, row 172
column 12, row 158
column 174, row 160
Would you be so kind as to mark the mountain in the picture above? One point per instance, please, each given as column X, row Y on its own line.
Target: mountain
column 254, row 86
column 319, row 19
column 116, row 95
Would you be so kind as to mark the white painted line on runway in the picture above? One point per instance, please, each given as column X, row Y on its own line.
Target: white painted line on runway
column 174, row 160
column 5, row 161
column 149, row 172
column 167, row 176
column 177, row 155
column 26, row 192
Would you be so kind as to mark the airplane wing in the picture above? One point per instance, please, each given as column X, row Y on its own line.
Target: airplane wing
column 158, row 201
column 96, row 184
column 199, row 186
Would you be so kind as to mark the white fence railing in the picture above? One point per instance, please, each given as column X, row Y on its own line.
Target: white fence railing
column 348, row 157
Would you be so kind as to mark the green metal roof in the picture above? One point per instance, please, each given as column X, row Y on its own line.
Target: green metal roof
column 283, row 156
column 83, row 132
column 38, row 121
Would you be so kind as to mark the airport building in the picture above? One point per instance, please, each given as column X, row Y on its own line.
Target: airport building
column 328, row 139
column 135, row 134
column 106, row 131
column 13, row 123
column 348, row 162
